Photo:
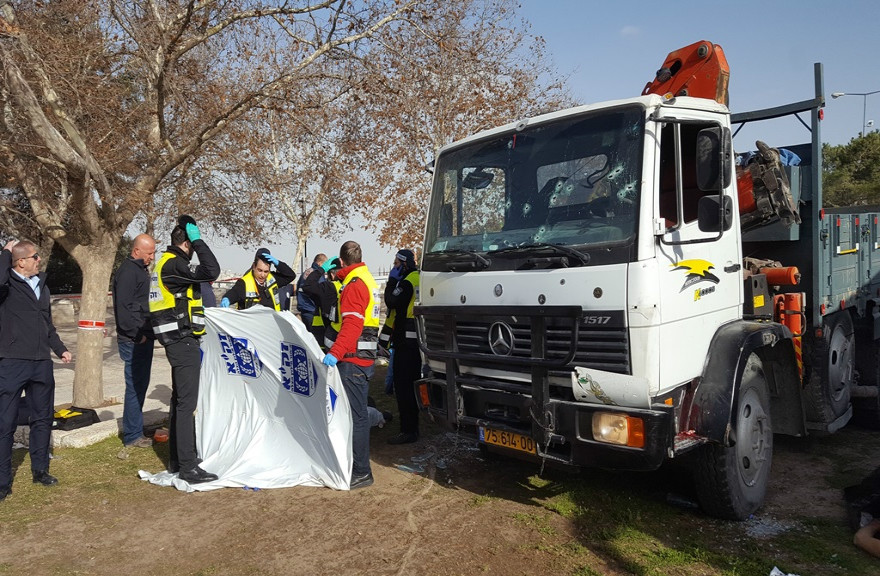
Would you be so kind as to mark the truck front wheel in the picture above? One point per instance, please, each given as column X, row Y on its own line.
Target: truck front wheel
column 731, row 479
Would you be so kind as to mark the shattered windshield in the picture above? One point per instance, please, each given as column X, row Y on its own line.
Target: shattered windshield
column 521, row 196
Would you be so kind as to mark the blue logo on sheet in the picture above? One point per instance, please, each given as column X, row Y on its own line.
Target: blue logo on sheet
column 332, row 396
column 297, row 374
column 240, row 356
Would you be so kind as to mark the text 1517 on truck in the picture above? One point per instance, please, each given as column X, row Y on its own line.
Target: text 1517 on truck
column 612, row 286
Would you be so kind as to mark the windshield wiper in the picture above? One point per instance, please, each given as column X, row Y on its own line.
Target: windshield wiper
column 476, row 260
column 580, row 257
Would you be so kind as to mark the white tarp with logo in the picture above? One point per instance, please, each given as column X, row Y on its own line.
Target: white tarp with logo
column 270, row 415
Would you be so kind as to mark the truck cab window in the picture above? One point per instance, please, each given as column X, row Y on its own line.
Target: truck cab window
column 691, row 194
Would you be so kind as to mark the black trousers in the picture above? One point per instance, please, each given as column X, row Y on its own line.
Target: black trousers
column 37, row 379
column 185, row 360
column 406, row 370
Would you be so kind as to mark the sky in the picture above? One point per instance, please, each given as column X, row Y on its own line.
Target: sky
column 610, row 50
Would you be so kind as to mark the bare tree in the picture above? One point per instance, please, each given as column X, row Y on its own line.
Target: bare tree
column 461, row 66
column 114, row 108
column 356, row 150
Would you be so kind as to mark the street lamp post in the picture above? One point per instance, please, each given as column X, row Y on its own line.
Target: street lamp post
column 864, row 96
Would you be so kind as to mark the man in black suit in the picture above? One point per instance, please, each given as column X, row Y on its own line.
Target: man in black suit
column 26, row 339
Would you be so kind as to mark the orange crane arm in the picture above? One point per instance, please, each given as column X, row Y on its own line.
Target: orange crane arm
column 699, row 70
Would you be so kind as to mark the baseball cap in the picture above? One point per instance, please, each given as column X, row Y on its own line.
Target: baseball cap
column 406, row 256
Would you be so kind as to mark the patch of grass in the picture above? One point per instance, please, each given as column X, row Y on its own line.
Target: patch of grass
column 586, row 571
column 562, row 505
column 480, row 499
column 88, row 478
column 539, row 523
column 538, row 482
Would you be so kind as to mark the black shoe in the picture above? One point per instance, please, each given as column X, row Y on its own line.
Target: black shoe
column 403, row 438
column 43, row 477
column 196, row 476
column 388, row 416
column 174, row 467
column 4, row 492
column 361, row 481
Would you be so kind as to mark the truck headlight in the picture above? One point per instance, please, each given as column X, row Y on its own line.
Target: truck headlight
column 619, row 429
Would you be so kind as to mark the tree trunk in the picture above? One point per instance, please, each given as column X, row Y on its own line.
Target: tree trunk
column 301, row 257
column 97, row 265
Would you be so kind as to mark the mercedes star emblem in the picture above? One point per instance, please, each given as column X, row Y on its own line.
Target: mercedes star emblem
column 501, row 339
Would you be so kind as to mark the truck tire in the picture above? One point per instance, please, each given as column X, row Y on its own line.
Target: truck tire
column 731, row 481
column 828, row 389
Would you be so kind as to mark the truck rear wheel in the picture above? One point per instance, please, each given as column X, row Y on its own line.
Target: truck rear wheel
column 731, row 481
column 828, row 390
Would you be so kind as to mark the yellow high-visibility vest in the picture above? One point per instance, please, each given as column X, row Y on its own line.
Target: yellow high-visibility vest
column 367, row 346
column 174, row 316
column 252, row 292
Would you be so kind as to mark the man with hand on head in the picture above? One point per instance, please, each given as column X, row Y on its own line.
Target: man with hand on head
column 259, row 285
column 178, row 320
column 27, row 337
column 134, row 336
column 353, row 340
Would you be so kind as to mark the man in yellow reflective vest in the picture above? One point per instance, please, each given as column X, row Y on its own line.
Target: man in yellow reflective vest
column 178, row 321
column 401, row 293
column 259, row 285
column 353, row 337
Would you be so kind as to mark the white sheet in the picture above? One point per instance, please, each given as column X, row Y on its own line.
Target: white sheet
column 269, row 415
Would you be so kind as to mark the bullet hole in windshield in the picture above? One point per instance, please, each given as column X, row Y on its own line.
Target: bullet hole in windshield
column 614, row 172
column 540, row 234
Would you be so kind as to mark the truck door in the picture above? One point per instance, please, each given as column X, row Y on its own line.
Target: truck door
column 700, row 278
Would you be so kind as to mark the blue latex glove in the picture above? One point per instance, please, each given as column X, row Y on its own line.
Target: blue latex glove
column 329, row 360
column 224, row 303
column 192, row 232
column 270, row 258
column 327, row 264
column 396, row 273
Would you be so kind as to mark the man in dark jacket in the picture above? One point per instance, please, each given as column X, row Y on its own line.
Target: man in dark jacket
column 317, row 287
column 134, row 336
column 178, row 320
column 401, row 293
column 305, row 304
column 26, row 339
column 259, row 285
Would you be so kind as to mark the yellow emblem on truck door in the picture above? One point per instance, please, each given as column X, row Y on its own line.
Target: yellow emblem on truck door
column 697, row 271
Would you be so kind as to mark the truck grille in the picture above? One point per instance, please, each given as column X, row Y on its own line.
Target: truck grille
column 604, row 347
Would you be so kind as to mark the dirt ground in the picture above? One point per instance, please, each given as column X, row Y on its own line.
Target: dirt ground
column 473, row 515
column 438, row 507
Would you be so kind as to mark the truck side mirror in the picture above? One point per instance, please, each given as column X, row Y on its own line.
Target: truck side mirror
column 712, row 216
column 714, row 159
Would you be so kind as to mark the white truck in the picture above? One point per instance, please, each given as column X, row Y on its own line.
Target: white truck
column 602, row 286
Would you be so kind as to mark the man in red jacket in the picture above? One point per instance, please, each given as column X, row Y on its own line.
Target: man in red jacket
column 354, row 333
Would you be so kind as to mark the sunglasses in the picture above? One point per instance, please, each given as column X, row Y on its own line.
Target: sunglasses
column 35, row 256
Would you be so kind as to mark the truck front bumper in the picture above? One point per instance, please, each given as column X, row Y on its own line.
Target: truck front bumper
column 566, row 438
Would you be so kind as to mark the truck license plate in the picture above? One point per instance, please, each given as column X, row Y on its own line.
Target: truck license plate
column 507, row 440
